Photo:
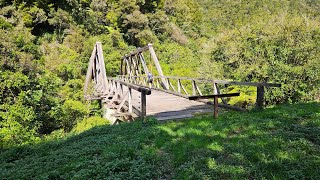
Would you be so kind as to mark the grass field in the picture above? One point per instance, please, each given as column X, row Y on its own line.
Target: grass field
column 278, row 143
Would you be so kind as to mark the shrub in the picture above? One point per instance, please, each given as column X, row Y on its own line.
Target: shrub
column 89, row 123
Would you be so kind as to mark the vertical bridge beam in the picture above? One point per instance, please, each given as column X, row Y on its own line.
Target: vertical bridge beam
column 143, row 105
column 260, row 97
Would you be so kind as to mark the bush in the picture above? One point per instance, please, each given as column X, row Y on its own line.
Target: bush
column 71, row 112
column 89, row 123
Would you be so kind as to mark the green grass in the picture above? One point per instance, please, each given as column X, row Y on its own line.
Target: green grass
column 278, row 143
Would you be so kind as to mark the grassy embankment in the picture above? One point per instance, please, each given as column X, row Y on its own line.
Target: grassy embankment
column 280, row 142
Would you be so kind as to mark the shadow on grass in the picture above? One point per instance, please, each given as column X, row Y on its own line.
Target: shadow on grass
column 281, row 142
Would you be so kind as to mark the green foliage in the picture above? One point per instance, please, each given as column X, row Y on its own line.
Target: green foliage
column 89, row 123
column 279, row 143
column 61, row 20
column 247, row 96
column 17, row 125
column 4, row 24
column 70, row 113
column 45, row 47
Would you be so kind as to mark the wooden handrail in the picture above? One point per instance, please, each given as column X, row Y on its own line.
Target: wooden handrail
column 195, row 89
column 213, row 96
column 257, row 84
column 133, row 86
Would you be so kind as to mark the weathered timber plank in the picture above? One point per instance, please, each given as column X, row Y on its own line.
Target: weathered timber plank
column 143, row 105
column 157, row 64
column 89, row 70
column 143, row 62
column 217, row 91
column 216, row 107
column 223, row 81
column 260, row 97
column 213, row 96
column 102, row 66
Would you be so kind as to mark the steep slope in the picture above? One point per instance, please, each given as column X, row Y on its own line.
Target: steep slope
column 281, row 142
column 45, row 46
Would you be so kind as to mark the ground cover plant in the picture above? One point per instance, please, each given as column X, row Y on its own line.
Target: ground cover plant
column 281, row 142
column 45, row 47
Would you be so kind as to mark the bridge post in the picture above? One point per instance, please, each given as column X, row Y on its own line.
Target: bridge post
column 216, row 107
column 260, row 97
column 143, row 105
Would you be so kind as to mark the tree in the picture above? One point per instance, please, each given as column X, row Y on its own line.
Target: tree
column 61, row 20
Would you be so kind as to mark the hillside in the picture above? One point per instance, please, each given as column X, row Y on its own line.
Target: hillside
column 281, row 142
column 45, row 47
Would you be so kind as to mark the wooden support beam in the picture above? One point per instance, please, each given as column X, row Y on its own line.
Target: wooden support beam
column 135, row 66
column 143, row 62
column 143, row 106
column 121, row 67
column 171, row 85
column 89, row 70
column 223, row 81
column 158, row 66
column 124, row 99
column 260, row 97
column 194, row 88
column 216, row 107
column 139, row 64
column 213, row 96
column 128, row 67
column 200, row 93
column 217, row 91
column 184, row 89
column 135, row 87
column 121, row 114
column 102, row 66
column 130, row 100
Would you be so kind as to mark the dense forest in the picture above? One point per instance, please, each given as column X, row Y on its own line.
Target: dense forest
column 45, row 47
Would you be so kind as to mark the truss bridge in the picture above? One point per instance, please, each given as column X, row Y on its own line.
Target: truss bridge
column 141, row 89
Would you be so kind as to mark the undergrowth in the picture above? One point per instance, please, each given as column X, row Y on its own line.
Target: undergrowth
column 281, row 142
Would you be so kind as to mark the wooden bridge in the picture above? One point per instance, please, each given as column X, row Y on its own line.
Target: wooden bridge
column 131, row 94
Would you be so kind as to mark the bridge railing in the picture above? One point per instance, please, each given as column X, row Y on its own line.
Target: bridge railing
column 186, row 87
column 120, row 96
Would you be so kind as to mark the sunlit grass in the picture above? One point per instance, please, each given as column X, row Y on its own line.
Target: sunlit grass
column 278, row 143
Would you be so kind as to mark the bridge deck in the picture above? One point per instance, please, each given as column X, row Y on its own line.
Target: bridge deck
column 164, row 106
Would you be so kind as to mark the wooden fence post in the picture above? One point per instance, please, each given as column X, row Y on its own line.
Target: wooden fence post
column 216, row 107
column 260, row 97
column 143, row 105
